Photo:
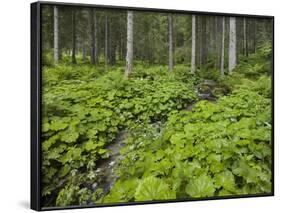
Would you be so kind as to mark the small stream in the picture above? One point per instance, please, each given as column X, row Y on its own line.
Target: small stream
column 105, row 167
column 206, row 93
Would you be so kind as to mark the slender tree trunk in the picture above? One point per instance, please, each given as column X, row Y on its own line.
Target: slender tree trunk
column 106, row 42
column 218, row 42
column 245, row 46
column 232, row 44
column 73, row 38
column 216, row 46
column 203, row 41
column 110, row 44
column 213, row 36
column 254, row 37
column 84, row 51
column 222, row 46
column 56, row 35
column 170, row 19
column 92, row 36
column 198, row 41
column 113, row 54
column 120, row 51
column 129, row 56
column 96, row 53
column 193, row 45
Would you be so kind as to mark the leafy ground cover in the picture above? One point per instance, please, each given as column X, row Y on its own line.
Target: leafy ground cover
column 216, row 149
column 83, row 112
column 171, row 152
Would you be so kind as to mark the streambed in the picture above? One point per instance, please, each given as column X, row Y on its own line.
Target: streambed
column 105, row 171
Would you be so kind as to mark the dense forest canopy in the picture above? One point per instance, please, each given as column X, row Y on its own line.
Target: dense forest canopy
column 141, row 105
column 102, row 33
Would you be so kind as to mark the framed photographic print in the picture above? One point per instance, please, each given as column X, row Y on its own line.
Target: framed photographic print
column 140, row 105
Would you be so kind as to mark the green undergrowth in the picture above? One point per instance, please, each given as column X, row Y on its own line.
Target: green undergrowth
column 217, row 149
column 214, row 149
column 83, row 110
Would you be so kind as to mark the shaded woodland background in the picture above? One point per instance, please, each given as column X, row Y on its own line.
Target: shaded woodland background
column 99, row 37
column 148, row 106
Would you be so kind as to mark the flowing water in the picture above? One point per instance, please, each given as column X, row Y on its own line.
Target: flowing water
column 105, row 167
column 205, row 95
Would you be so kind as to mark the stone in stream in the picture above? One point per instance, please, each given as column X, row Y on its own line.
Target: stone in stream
column 204, row 92
column 209, row 82
column 207, row 96
column 94, row 186
column 111, row 163
column 106, row 176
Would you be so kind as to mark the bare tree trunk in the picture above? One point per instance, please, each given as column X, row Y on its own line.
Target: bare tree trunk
column 232, row 44
column 245, row 46
column 96, row 53
column 203, row 41
column 92, row 36
column 222, row 46
column 106, row 42
column 254, row 37
column 193, row 48
column 198, row 41
column 73, row 37
column 129, row 56
column 213, row 36
column 170, row 19
column 120, row 52
column 84, row 51
column 216, row 46
column 56, row 35
column 112, row 44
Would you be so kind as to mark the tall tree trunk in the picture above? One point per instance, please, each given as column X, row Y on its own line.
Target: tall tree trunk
column 110, row 44
column 84, row 51
column 170, row 19
column 254, row 37
column 56, row 35
column 218, row 42
column 73, row 37
column 92, row 36
column 213, row 36
column 222, row 46
column 216, row 46
column 129, row 56
column 232, row 44
column 198, row 41
column 120, row 52
column 203, row 41
column 106, row 42
column 96, row 38
column 245, row 42
column 193, row 45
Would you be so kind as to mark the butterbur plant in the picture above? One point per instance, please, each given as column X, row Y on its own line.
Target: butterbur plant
column 143, row 106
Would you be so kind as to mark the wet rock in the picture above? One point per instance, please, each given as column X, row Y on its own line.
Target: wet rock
column 209, row 82
column 111, row 163
column 206, row 96
column 94, row 186
column 106, row 176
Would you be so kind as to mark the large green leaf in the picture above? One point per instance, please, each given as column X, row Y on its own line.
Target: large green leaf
column 202, row 186
column 226, row 180
column 152, row 188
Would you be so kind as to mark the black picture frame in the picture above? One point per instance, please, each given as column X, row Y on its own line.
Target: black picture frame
column 36, row 97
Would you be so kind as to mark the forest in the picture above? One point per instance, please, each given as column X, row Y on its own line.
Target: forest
column 152, row 106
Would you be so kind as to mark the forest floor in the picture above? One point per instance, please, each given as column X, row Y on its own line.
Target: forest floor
column 106, row 176
column 155, row 135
